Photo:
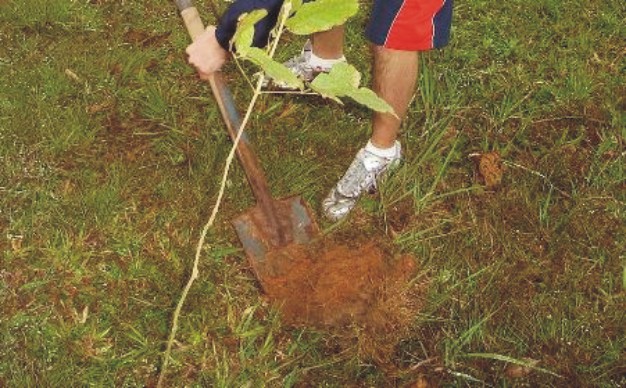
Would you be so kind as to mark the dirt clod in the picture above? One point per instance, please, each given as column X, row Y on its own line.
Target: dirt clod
column 490, row 169
column 516, row 371
column 340, row 286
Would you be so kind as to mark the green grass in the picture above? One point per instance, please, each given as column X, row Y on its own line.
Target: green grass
column 110, row 156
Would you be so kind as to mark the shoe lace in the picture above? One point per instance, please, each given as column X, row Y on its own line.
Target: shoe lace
column 357, row 179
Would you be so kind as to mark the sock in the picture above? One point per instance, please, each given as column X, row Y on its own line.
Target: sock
column 388, row 153
column 325, row 64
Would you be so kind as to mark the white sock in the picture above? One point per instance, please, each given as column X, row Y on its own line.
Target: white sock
column 325, row 64
column 388, row 153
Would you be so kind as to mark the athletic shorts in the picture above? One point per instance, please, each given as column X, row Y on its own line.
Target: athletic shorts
column 412, row 25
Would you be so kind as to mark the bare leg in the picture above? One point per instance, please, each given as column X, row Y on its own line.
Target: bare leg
column 395, row 75
column 329, row 44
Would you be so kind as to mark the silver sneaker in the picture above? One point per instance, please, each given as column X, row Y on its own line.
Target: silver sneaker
column 301, row 67
column 361, row 176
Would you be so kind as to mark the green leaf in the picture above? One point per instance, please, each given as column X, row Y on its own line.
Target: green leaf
column 295, row 4
column 346, row 74
column 325, row 85
column 321, row 15
column 244, row 35
column 367, row 97
column 343, row 81
column 277, row 71
column 243, row 41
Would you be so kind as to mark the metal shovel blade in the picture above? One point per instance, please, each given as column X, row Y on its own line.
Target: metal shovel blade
column 296, row 222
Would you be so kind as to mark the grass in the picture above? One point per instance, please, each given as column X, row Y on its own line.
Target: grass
column 110, row 152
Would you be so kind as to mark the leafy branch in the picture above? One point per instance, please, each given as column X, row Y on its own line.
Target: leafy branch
column 303, row 19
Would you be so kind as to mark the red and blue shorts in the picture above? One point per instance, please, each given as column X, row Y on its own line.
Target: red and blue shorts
column 411, row 25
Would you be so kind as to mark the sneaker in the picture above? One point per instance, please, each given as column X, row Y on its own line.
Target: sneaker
column 301, row 67
column 361, row 176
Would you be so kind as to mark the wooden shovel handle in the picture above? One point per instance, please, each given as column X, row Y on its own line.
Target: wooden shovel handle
column 247, row 158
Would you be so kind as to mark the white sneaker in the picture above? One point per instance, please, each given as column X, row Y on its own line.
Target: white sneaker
column 301, row 67
column 361, row 176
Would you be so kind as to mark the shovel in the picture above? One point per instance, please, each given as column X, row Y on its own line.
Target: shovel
column 273, row 223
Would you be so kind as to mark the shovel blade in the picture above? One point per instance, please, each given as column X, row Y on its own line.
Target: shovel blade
column 258, row 238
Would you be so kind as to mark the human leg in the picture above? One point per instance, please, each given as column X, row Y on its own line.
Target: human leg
column 398, row 29
column 395, row 74
column 329, row 44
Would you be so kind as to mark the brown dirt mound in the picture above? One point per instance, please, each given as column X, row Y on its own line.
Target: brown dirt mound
column 330, row 286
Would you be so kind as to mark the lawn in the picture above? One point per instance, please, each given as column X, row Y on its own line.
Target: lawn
column 111, row 153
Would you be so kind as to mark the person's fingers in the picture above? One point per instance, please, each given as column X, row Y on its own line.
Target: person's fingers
column 191, row 55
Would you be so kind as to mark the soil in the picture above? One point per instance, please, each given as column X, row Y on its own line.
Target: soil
column 490, row 169
column 326, row 285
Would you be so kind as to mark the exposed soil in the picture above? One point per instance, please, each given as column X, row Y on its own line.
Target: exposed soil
column 337, row 286
column 490, row 169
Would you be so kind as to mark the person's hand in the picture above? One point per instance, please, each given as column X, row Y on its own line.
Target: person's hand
column 206, row 54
